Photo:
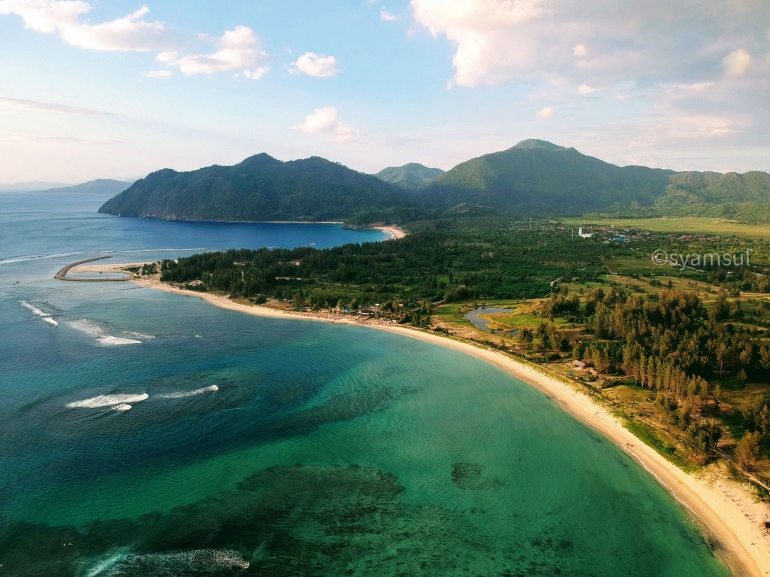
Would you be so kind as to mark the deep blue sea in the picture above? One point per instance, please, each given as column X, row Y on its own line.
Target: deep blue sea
column 143, row 433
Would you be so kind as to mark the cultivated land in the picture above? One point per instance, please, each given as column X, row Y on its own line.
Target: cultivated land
column 682, row 225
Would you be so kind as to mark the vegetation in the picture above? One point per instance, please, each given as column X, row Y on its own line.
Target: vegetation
column 411, row 176
column 260, row 188
column 534, row 177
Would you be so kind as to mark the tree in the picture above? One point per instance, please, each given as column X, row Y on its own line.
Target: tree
column 748, row 450
column 525, row 336
column 702, row 438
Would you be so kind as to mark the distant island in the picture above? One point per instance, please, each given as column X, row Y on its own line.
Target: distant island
column 534, row 177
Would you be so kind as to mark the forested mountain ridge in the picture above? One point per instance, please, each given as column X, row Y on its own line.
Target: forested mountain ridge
column 538, row 177
column 261, row 188
column 534, row 177
column 410, row 176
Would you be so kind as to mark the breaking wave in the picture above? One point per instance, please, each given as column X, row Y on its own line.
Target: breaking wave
column 97, row 332
column 113, row 401
column 139, row 335
column 182, row 395
column 183, row 562
column 36, row 311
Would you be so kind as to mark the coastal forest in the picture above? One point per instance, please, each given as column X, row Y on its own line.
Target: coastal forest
column 681, row 354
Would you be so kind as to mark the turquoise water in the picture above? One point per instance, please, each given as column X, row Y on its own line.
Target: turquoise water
column 250, row 446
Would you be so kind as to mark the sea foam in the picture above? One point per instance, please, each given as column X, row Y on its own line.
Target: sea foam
column 113, row 401
column 199, row 561
column 37, row 312
column 185, row 394
column 97, row 332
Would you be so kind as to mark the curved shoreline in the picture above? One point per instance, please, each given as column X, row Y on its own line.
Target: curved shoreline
column 721, row 505
column 62, row 274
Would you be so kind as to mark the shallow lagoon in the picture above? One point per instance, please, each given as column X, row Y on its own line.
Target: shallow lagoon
column 264, row 446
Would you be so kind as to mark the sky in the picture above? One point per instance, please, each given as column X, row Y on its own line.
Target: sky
column 118, row 89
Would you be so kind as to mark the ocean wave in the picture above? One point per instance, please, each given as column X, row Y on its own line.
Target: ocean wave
column 97, row 332
column 185, row 394
column 36, row 311
column 108, row 401
column 105, row 564
column 139, row 335
column 33, row 309
column 28, row 258
column 122, row 407
column 173, row 563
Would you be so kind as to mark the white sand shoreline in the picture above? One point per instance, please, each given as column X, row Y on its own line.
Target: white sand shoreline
column 721, row 505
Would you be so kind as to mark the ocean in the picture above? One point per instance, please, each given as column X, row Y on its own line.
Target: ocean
column 150, row 434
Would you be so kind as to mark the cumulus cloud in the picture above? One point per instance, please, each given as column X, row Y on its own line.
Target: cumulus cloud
column 326, row 121
column 649, row 41
column 546, row 112
column 159, row 74
column 387, row 16
column 737, row 62
column 238, row 49
column 63, row 16
column 314, row 64
column 37, row 106
column 585, row 89
column 257, row 73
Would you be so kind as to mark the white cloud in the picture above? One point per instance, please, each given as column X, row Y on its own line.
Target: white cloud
column 159, row 74
column 63, row 16
column 387, row 16
column 322, row 120
column 45, row 16
column 650, row 41
column 37, row 106
column 166, row 57
column 585, row 89
column 238, row 49
column 326, row 121
column 128, row 33
column 546, row 112
column 314, row 64
column 257, row 73
column 737, row 62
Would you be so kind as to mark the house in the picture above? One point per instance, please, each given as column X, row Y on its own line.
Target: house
column 578, row 364
column 582, row 234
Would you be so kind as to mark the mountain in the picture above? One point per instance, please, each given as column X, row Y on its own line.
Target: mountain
column 261, row 188
column 99, row 186
column 539, row 177
column 410, row 176
column 30, row 186
column 533, row 177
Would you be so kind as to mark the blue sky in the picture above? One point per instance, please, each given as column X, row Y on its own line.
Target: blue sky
column 118, row 89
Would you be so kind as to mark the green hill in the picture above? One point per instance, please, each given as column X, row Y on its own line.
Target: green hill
column 411, row 176
column 534, row 177
column 260, row 188
column 539, row 177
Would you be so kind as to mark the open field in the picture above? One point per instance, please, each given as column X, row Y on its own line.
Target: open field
column 716, row 226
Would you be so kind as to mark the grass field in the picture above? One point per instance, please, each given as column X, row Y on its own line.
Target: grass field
column 715, row 226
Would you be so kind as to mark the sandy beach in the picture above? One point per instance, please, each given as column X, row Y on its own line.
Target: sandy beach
column 392, row 231
column 723, row 506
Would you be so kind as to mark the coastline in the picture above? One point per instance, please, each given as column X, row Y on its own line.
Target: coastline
column 720, row 504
